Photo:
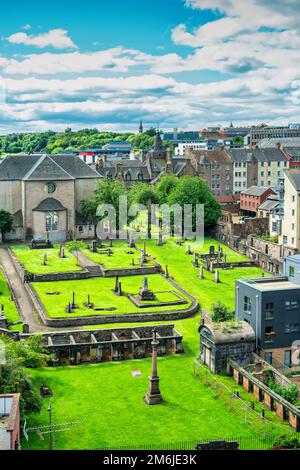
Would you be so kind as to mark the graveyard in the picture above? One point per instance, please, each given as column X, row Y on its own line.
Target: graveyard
column 114, row 391
column 9, row 307
column 45, row 260
column 117, row 256
column 100, row 296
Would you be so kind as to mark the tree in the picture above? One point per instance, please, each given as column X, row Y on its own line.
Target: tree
column 144, row 193
column 164, row 187
column 221, row 313
column 14, row 377
column 6, row 221
column 194, row 190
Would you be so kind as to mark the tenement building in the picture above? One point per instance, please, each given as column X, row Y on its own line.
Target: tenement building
column 44, row 194
column 272, row 307
column 290, row 224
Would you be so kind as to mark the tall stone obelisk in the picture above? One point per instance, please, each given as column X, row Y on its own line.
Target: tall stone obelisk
column 153, row 396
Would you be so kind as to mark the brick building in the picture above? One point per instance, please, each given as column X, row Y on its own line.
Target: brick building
column 253, row 197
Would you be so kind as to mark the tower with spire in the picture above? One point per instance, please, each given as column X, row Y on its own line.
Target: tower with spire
column 141, row 127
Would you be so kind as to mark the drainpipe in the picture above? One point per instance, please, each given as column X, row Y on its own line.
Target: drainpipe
column 236, row 301
column 256, row 320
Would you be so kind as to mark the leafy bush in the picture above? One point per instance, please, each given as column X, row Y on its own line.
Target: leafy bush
column 286, row 442
column 75, row 245
column 289, row 393
column 221, row 313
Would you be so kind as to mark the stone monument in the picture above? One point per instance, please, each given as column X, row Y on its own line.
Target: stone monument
column 146, row 293
column 153, row 396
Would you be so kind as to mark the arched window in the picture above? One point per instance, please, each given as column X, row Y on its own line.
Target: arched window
column 140, row 176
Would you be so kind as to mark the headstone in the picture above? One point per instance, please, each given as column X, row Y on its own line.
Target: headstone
column 130, row 241
column 73, row 299
column 225, row 258
column 3, row 319
column 119, row 289
column 211, row 267
column 94, row 246
column 132, row 261
column 167, row 271
column 145, row 292
column 69, row 308
column 217, row 278
column 116, row 284
column 201, row 272
column 195, row 260
column 62, row 254
column 189, row 251
column 212, row 250
column 110, row 243
column 160, row 241
column 25, row 329
column 45, row 259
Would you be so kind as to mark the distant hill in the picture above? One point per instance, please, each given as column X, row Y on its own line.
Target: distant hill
column 55, row 142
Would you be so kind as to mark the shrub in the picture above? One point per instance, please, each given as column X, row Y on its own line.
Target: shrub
column 286, row 442
column 289, row 393
column 75, row 245
column 221, row 313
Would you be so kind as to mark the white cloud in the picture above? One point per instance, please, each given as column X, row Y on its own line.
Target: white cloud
column 57, row 38
column 26, row 26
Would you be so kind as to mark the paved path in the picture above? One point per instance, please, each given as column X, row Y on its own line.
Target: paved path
column 83, row 260
column 26, row 308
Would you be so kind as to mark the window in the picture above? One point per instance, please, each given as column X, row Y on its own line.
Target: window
column 269, row 334
column 51, row 221
column 291, row 304
column 269, row 311
column 247, row 305
column 287, row 358
column 285, row 239
column 292, row 271
column 51, row 188
column 269, row 357
column 291, row 327
column 80, row 228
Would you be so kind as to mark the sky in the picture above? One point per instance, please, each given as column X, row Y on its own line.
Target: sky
column 171, row 63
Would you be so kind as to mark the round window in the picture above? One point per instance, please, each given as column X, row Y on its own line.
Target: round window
column 51, row 187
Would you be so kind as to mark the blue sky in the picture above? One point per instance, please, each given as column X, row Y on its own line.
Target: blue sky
column 183, row 63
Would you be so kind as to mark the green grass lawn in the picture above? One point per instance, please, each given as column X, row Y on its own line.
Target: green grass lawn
column 119, row 258
column 100, row 290
column 33, row 260
column 109, row 399
column 10, row 309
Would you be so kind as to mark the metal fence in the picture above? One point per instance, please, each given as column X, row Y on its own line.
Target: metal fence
column 264, row 441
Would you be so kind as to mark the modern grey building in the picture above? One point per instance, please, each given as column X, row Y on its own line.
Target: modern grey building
column 272, row 307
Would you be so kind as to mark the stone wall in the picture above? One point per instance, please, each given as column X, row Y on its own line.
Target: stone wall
column 105, row 319
column 284, row 409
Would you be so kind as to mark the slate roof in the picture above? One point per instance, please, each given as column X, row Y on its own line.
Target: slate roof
column 44, row 167
column 219, row 157
column 134, row 168
column 294, row 177
column 269, row 204
column 260, row 155
column 255, row 190
column 284, row 142
column 49, row 204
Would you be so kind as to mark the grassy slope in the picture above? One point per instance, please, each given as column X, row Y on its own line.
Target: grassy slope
column 10, row 309
column 33, row 260
column 111, row 400
column 118, row 259
column 100, row 290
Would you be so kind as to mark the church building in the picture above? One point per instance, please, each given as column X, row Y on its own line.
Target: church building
column 44, row 194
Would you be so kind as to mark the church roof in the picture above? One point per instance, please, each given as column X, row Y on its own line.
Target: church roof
column 44, row 167
column 49, row 204
column 47, row 167
column 158, row 145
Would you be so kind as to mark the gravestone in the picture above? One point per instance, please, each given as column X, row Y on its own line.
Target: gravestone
column 217, row 277
column 119, row 293
column 189, row 251
column 69, row 308
column 195, row 260
column 201, row 272
column 110, row 243
column 132, row 262
column 212, row 250
column 45, row 259
column 145, row 292
column 116, row 284
column 25, row 329
column 94, row 246
column 131, row 243
column 211, row 267
column 3, row 319
column 167, row 272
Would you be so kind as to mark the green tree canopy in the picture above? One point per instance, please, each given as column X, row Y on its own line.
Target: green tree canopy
column 6, row 221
